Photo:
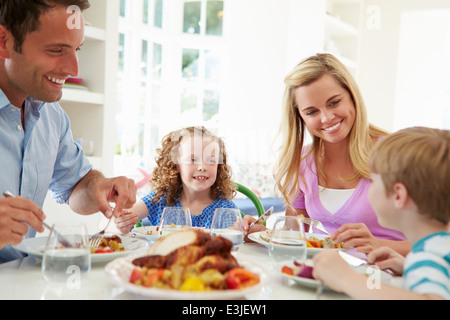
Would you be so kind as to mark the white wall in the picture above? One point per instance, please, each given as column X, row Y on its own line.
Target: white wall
column 257, row 42
column 379, row 57
column 267, row 39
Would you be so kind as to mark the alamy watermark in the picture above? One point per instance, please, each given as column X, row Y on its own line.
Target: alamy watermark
column 74, row 20
column 74, row 280
column 373, row 277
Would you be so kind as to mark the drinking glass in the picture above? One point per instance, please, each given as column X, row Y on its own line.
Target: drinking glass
column 287, row 242
column 227, row 222
column 68, row 262
column 174, row 219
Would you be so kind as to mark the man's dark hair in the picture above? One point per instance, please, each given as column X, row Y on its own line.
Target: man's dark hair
column 21, row 17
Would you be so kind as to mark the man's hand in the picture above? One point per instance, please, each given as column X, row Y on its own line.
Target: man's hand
column 15, row 214
column 94, row 193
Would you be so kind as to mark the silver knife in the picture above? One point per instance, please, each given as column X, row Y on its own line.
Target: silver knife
column 263, row 218
column 60, row 238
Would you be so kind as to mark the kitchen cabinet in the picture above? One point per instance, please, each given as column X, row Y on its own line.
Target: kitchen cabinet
column 92, row 109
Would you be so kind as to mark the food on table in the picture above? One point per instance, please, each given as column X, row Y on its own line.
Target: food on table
column 327, row 243
column 311, row 241
column 150, row 232
column 298, row 269
column 265, row 235
column 109, row 245
column 191, row 260
column 155, row 231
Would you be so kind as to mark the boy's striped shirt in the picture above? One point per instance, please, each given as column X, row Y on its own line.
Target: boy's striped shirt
column 427, row 266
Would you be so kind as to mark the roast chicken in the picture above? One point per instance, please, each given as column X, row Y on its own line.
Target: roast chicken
column 193, row 248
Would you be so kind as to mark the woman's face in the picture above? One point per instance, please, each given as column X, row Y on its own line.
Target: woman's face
column 198, row 163
column 326, row 108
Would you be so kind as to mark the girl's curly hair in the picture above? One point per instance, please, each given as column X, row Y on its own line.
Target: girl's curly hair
column 166, row 178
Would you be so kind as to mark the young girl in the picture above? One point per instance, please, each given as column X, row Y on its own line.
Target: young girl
column 191, row 172
column 329, row 179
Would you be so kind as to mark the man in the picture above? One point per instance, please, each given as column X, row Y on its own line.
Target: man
column 38, row 52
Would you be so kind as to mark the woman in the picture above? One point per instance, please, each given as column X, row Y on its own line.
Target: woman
column 329, row 179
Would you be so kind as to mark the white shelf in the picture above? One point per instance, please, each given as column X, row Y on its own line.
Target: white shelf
column 82, row 96
column 94, row 33
column 342, row 20
column 338, row 28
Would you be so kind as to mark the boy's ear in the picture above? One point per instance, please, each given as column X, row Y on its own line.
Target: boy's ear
column 5, row 37
column 400, row 195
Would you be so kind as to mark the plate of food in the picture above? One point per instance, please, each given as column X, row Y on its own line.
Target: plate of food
column 301, row 273
column 151, row 233
column 110, row 248
column 188, row 265
column 316, row 242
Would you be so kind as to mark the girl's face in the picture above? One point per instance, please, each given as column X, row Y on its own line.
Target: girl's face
column 198, row 163
column 326, row 108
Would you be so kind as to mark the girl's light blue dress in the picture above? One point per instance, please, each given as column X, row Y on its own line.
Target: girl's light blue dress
column 155, row 210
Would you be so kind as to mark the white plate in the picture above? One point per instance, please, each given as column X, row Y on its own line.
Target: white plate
column 256, row 236
column 149, row 232
column 313, row 283
column 36, row 246
column 119, row 272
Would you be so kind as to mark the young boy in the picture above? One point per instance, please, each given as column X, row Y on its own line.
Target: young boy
column 410, row 192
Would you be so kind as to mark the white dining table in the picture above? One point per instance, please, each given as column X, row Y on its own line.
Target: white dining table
column 22, row 280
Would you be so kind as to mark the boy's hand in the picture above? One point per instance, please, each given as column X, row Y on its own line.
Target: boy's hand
column 331, row 269
column 387, row 258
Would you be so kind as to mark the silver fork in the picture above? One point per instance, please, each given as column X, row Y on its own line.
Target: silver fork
column 94, row 241
column 315, row 223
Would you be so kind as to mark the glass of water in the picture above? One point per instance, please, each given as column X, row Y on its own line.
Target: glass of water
column 287, row 241
column 175, row 219
column 67, row 256
column 227, row 222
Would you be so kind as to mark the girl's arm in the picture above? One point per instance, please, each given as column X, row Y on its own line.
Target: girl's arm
column 130, row 217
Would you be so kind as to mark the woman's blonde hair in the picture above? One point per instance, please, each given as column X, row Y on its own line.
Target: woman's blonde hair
column 292, row 129
column 419, row 158
column 166, row 178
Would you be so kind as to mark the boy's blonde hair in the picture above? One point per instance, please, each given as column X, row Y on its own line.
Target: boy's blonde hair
column 292, row 129
column 166, row 178
column 419, row 158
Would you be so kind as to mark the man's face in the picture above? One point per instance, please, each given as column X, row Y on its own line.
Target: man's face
column 48, row 58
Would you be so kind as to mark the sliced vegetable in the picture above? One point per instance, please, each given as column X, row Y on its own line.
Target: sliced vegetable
column 305, row 272
column 152, row 276
column 193, row 284
column 287, row 270
column 239, row 278
column 135, row 275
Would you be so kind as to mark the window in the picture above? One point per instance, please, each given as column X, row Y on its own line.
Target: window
column 169, row 75
column 140, row 76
